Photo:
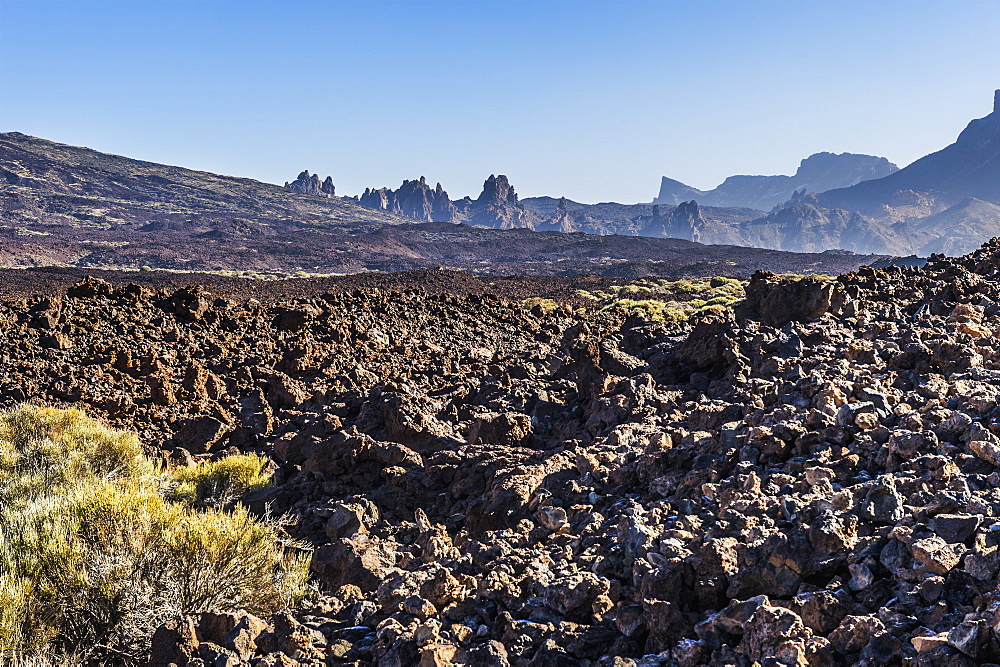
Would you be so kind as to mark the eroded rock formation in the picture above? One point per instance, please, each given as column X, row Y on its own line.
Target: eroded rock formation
column 311, row 185
column 414, row 199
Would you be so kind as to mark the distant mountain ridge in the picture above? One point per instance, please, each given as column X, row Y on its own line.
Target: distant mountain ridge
column 68, row 206
column 945, row 202
column 817, row 173
column 970, row 167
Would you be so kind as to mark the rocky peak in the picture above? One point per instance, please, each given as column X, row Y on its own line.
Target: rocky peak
column 497, row 189
column 378, row 199
column 802, row 197
column 498, row 206
column 982, row 131
column 310, row 185
column 414, row 199
column 674, row 192
column 683, row 222
column 563, row 221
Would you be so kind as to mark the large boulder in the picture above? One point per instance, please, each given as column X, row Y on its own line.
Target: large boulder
column 776, row 301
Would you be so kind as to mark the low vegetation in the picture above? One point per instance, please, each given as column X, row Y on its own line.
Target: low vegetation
column 98, row 545
column 220, row 482
column 669, row 300
column 545, row 305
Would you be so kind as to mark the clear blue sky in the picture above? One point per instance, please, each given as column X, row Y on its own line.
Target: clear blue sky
column 591, row 100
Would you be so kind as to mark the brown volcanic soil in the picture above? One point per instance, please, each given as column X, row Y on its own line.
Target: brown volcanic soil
column 813, row 480
column 54, row 281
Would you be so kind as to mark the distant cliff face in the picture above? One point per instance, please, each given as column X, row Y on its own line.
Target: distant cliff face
column 561, row 221
column 311, row 185
column 414, row 199
column 816, row 173
column 674, row 192
column 683, row 222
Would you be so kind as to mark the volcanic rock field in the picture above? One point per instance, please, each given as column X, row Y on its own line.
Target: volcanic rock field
column 810, row 478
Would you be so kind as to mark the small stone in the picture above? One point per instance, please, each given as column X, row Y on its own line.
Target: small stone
column 969, row 637
column 861, row 576
column 926, row 644
column 552, row 518
column 854, row 633
column 818, row 475
column 933, row 555
column 419, row 607
column 954, row 528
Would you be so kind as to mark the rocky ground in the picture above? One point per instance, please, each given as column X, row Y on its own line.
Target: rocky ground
column 811, row 479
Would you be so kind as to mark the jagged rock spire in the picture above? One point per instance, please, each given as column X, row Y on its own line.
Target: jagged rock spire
column 310, row 185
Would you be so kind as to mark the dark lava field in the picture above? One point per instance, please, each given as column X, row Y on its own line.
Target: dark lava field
column 808, row 478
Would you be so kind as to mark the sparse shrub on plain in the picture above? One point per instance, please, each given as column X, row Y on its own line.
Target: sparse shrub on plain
column 721, row 285
column 547, row 305
column 685, row 285
column 799, row 276
column 651, row 309
column 94, row 555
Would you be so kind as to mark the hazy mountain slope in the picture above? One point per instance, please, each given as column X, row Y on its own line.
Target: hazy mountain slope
column 961, row 228
column 613, row 218
column 805, row 227
column 817, row 173
column 44, row 182
column 673, row 192
column 970, row 167
column 802, row 226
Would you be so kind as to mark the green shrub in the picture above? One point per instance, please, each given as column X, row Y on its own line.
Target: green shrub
column 651, row 309
column 221, row 481
column 45, row 449
column 720, row 301
column 93, row 555
column 729, row 286
column 799, row 276
column 685, row 285
column 547, row 305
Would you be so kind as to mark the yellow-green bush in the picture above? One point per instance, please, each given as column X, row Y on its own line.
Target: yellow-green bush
column 629, row 289
column 221, row 481
column 685, row 285
column 93, row 555
column 547, row 305
column 721, row 301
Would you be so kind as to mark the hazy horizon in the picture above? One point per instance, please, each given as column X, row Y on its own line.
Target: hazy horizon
column 592, row 101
